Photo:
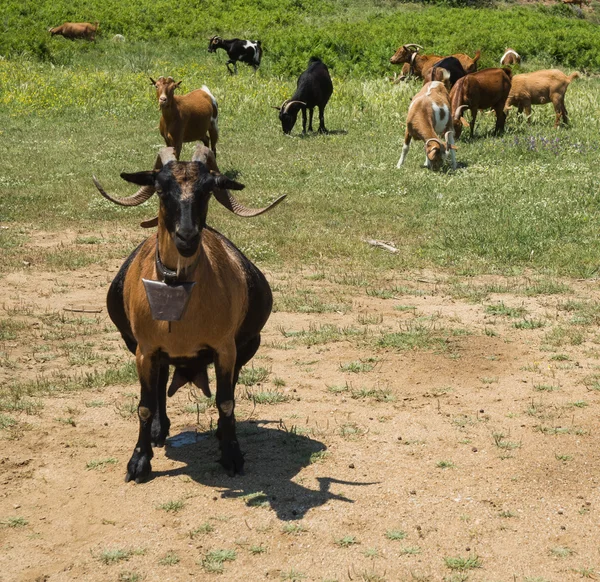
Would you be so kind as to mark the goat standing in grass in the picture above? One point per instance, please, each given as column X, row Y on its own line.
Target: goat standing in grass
column 429, row 116
column 539, row 88
column 314, row 88
column 229, row 301
column 74, row 30
column 185, row 118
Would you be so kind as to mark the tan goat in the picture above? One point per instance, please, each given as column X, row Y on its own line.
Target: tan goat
column 539, row 88
column 421, row 64
column 185, row 118
column 429, row 117
column 73, row 30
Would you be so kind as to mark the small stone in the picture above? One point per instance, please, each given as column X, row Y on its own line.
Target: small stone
column 474, row 449
column 351, row 466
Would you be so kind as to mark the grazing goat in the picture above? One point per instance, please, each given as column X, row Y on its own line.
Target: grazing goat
column 429, row 116
column 314, row 89
column 510, row 57
column 188, row 117
column 228, row 301
column 448, row 71
column 539, row 88
column 73, row 30
column 486, row 89
column 245, row 51
column 576, row 2
column 421, row 64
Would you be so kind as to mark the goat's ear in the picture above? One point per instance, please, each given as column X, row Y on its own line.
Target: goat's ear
column 225, row 183
column 140, row 178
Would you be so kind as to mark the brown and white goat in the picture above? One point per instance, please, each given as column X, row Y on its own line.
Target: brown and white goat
column 486, row 89
column 229, row 301
column 73, row 30
column 539, row 88
column 510, row 57
column 429, row 116
column 185, row 118
column 421, row 64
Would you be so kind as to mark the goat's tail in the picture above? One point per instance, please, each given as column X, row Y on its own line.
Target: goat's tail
column 476, row 57
column 572, row 76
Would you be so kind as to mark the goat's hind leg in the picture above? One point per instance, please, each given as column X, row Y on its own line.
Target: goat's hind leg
column 405, row 149
column 322, row 128
column 226, row 371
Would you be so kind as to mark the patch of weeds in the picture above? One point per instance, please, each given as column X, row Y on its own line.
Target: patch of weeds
column 561, row 552
column 592, row 382
column 559, row 336
column 257, row 499
column 586, row 572
column 127, row 576
column 563, row 458
column 292, row 575
column 377, row 394
column 252, row 376
column 69, row 421
column 118, row 555
column 100, row 463
column 293, row 529
column 213, row 561
column 170, row 559
column 501, row 442
column 6, row 421
column 171, row 506
column 351, row 431
column 16, row 402
column 578, row 404
column 507, row 514
column 461, row 563
column 255, row 550
column 395, row 534
column 414, row 337
column 489, row 379
column 545, row 388
column 318, row 456
column 346, row 541
column 557, row 430
column 529, row 324
column 203, row 529
column 359, row 366
column 318, row 335
column 268, row 397
column 500, row 309
column 371, row 553
column 409, row 551
column 95, row 404
column 374, row 319
column 546, row 287
column 279, row 382
column 560, row 358
column 445, row 465
column 338, row 389
column 15, row 522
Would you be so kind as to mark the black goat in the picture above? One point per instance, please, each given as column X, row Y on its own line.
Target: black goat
column 314, row 89
column 450, row 64
column 245, row 51
column 187, row 297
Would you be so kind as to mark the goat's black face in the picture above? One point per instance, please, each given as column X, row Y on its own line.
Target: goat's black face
column 288, row 119
column 184, row 189
column 213, row 44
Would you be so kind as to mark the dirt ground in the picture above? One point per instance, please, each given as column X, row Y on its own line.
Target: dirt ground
column 424, row 429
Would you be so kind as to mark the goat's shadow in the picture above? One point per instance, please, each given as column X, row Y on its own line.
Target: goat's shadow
column 311, row 134
column 273, row 456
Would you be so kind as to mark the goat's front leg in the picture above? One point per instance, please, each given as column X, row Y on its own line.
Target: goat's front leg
column 160, row 421
column 473, row 119
column 148, row 368
column 231, row 455
column 310, row 118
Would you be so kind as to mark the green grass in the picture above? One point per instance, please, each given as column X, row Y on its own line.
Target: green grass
column 395, row 534
column 173, row 506
column 100, row 463
column 346, row 541
column 214, row 560
column 461, row 563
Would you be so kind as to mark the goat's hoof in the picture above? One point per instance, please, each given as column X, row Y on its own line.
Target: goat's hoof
column 232, row 459
column 138, row 467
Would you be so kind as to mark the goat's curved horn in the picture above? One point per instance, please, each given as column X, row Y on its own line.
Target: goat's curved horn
column 167, row 155
column 459, row 111
column 138, row 198
column 408, row 46
column 289, row 103
column 226, row 199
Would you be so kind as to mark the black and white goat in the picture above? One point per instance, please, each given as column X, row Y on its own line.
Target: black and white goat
column 245, row 51
column 314, row 89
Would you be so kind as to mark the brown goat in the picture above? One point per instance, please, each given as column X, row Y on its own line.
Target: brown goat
column 73, row 30
column 185, row 118
column 576, row 2
column 421, row 64
column 510, row 57
column 225, row 303
column 539, row 88
column 429, row 116
column 486, row 89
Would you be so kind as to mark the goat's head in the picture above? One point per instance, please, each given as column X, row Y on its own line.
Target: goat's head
column 288, row 113
column 184, row 189
column 165, row 89
column 214, row 43
column 436, row 151
column 405, row 54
